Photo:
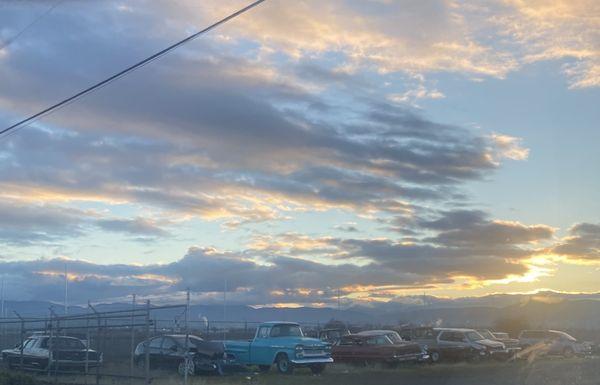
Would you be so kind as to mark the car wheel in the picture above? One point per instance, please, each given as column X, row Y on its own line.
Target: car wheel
column 568, row 353
column 264, row 368
column 434, row 356
column 317, row 368
column 190, row 368
column 284, row 366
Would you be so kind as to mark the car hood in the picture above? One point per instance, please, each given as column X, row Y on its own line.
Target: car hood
column 490, row 344
column 304, row 341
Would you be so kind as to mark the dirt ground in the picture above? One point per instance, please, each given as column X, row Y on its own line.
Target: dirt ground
column 548, row 371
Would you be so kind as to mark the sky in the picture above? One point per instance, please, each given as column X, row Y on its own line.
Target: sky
column 372, row 149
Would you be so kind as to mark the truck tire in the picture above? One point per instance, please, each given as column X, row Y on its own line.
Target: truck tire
column 284, row 365
column 317, row 368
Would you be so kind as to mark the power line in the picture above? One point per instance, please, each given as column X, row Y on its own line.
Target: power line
column 49, row 110
column 11, row 40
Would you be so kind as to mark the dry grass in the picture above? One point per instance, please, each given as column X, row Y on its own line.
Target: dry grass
column 540, row 372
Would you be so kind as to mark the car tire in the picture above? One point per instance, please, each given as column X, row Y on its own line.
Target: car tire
column 284, row 365
column 317, row 368
column 434, row 356
column 191, row 368
column 264, row 368
column 568, row 353
column 141, row 363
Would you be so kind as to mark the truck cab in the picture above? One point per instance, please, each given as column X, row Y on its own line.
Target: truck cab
column 282, row 344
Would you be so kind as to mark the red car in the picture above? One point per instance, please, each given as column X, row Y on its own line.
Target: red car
column 377, row 346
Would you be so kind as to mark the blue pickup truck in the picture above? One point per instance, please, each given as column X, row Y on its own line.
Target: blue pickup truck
column 282, row 344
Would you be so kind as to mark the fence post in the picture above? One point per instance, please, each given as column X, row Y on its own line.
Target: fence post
column 87, row 348
column 22, row 339
column 147, row 348
column 98, row 352
column 132, row 343
column 187, row 338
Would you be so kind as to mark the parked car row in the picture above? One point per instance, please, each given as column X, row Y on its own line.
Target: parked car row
column 284, row 345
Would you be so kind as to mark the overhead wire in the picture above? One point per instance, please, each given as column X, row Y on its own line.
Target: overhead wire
column 4, row 44
column 27, row 121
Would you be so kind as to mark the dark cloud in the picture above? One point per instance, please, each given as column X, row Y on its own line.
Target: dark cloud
column 137, row 226
column 29, row 224
column 582, row 243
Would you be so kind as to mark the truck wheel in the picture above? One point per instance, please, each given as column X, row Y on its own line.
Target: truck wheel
column 284, row 366
column 317, row 368
column 264, row 368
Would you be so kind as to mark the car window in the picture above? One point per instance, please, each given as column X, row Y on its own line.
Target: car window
column 156, row 342
column 379, row 340
column 286, row 331
column 169, row 344
column 263, row 332
column 394, row 337
column 28, row 343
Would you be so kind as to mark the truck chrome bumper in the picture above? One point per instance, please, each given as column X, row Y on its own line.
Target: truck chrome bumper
column 308, row 361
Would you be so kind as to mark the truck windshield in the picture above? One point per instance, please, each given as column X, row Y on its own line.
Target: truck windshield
column 286, row 331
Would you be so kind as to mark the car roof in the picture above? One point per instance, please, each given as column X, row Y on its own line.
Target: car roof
column 272, row 323
column 48, row 336
column 461, row 330
column 375, row 332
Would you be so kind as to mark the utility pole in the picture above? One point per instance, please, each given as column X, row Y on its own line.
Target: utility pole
column 187, row 337
column 2, row 299
column 224, row 307
column 66, row 291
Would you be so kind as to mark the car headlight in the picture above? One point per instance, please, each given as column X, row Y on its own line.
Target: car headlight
column 299, row 351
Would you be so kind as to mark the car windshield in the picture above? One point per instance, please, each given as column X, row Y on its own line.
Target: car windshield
column 63, row 344
column 286, row 331
column 486, row 334
column 474, row 336
column 394, row 337
column 193, row 340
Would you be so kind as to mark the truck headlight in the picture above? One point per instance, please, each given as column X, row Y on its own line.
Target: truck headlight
column 299, row 351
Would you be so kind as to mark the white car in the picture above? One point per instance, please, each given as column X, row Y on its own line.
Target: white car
column 41, row 352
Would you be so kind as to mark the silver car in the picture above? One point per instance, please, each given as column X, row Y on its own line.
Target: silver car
column 552, row 342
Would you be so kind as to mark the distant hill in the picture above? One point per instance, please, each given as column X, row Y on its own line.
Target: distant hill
column 544, row 310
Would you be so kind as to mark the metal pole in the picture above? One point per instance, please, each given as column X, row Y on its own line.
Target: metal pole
column 224, row 307
column 22, row 339
column 187, row 337
column 132, row 343
column 147, row 348
column 87, row 348
column 99, row 326
column 66, row 291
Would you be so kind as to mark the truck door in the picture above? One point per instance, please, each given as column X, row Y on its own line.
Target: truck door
column 261, row 348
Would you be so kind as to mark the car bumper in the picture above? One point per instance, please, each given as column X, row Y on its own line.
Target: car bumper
column 310, row 361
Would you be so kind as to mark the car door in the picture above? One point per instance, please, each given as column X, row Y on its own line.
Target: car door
column 172, row 353
column 154, row 352
column 451, row 345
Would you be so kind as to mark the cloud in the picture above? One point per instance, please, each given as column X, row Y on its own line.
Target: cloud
column 582, row 243
column 24, row 225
